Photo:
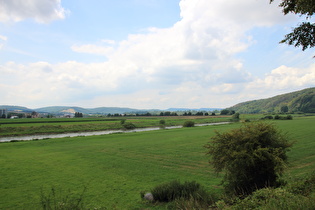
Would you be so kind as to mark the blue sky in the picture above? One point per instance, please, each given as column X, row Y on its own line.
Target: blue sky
column 147, row 53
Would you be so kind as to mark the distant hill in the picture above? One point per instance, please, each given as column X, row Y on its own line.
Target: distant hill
column 299, row 101
column 16, row 108
column 100, row 110
column 61, row 109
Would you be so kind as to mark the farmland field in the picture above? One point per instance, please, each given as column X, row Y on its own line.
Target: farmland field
column 115, row 168
column 18, row 127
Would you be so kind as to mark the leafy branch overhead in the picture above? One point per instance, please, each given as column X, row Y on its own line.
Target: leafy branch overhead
column 304, row 34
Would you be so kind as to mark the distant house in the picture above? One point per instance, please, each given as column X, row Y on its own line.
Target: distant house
column 14, row 117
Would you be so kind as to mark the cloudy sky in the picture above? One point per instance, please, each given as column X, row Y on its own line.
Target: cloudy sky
column 147, row 53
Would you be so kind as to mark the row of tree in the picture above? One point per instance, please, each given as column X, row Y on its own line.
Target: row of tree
column 78, row 114
column 166, row 113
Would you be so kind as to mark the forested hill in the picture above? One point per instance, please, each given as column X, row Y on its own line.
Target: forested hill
column 299, row 101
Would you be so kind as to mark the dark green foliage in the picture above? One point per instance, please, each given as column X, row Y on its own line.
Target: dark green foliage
column 122, row 121
column 268, row 117
column 227, row 112
column 78, row 114
column 288, row 117
column 162, row 122
column 304, row 34
column 189, row 124
column 235, row 117
column 199, row 114
column 224, row 112
column 129, row 125
column 284, row 109
column 299, row 101
column 174, row 190
column 303, row 7
column 252, row 156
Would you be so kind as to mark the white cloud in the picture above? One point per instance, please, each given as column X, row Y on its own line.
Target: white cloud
column 93, row 49
column 3, row 38
column 109, row 41
column 191, row 64
column 43, row 11
column 100, row 84
column 283, row 78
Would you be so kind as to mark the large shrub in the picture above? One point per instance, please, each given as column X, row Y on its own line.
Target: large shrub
column 236, row 117
column 252, row 156
column 129, row 125
column 189, row 123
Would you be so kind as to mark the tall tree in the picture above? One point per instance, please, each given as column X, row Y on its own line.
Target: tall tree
column 304, row 34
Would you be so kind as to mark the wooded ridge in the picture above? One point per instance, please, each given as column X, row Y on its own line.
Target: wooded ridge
column 298, row 101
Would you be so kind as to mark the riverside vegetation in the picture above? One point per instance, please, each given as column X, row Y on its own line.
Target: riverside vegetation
column 18, row 127
column 110, row 171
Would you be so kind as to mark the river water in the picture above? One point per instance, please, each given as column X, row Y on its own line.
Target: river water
column 92, row 133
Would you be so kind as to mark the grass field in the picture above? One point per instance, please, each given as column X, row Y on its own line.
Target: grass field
column 116, row 168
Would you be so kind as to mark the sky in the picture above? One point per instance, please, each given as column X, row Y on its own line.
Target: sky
column 147, row 54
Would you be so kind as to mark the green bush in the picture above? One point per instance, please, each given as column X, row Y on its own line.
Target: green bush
column 268, row 117
column 129, row 125
column 278, row 198
column 189, row 124
column 174, row 190
column 235, row 117
column 162, row 122
column 288, row 117
column 252, row 157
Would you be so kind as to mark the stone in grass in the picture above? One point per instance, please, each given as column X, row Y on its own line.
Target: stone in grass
column 148, row 196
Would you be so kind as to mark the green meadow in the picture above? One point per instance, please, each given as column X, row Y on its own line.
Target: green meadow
column 18, row 127
column 115, row 168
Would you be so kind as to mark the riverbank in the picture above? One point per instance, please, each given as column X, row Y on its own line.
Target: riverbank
column 95, row 133
column 26, row 127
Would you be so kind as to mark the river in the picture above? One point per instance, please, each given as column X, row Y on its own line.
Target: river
column 92, row 133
